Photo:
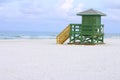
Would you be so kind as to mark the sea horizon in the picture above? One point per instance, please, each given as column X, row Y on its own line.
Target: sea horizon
column 40, row 35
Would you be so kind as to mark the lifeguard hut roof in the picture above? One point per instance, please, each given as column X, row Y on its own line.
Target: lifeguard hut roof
column 91, row 12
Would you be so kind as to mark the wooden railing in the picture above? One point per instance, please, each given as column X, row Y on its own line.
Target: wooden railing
column 64, row 35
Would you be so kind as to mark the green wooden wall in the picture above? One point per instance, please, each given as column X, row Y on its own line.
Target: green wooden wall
column 91, row 20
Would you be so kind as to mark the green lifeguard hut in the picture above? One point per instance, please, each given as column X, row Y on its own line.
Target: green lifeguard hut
column 91, row 31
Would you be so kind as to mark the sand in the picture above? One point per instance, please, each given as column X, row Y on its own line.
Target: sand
column 43, row 59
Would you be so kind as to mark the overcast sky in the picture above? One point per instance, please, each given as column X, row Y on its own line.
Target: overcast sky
column 54, row 15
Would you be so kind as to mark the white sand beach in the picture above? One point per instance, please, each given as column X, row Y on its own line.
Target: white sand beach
column 43, row 59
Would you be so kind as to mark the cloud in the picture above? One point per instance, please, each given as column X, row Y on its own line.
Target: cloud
column 113, row 15
column 67, row 5
column 111, row 3
column 79, row 7
column 9, row 9
column 112, row 9
column 67, row 10
column 21, row 8
column 33, row 10
column 5, row 1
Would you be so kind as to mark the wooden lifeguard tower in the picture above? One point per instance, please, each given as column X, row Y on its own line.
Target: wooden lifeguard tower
column 91, row 31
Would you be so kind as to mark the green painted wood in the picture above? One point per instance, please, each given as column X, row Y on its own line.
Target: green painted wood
column 91, row 20
column 83, row 35
column 91, row 31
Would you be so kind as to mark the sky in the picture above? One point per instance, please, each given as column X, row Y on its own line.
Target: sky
column 54, row 15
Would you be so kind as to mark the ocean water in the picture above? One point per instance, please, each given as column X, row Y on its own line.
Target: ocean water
column 27, row 35
column 39, row 35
